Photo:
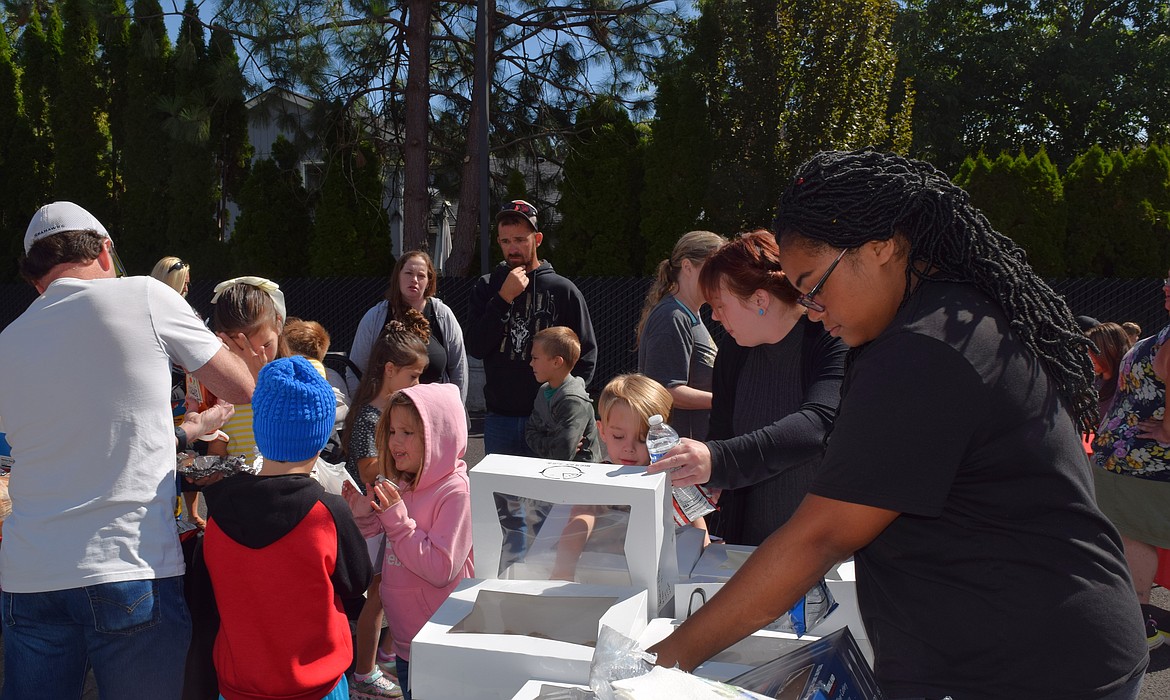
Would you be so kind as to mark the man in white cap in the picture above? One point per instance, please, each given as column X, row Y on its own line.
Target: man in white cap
column 91, row 566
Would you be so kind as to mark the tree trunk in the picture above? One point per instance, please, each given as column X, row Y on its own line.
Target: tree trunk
column 466, row 231
column 416, row 199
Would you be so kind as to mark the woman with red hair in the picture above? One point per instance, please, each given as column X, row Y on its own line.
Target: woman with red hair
column 774, row 395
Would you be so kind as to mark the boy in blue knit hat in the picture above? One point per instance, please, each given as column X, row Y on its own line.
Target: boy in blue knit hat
column 282, row 553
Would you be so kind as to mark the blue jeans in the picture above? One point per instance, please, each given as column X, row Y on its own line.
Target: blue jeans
column 133, row 633
column 505, row 435
column 402, row 667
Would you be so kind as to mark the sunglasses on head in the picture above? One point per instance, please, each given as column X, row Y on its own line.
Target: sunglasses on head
column 177, row 266
column 520, row 208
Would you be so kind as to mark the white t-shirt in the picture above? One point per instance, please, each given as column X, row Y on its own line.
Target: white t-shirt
column 85, row 386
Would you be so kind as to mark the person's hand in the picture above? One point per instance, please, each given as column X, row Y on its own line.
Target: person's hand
column 514, row 285
column 207, row 480
column 1161, row 362
column 1154, row 429
column 667, row 653
column 385, row 493
column 359, row 505
column 209, row 421
column 688, row 462
column 243, row 349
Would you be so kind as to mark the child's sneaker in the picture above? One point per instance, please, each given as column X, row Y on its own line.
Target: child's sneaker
column 389, row 665
column 374, row 687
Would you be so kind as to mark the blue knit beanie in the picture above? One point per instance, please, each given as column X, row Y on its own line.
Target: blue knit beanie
column 293, row 409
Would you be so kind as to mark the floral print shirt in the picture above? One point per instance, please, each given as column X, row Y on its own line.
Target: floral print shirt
column 1140, row 395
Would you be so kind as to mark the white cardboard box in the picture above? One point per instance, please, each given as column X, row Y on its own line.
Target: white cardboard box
column 688, row 547
column 750, row 652
column 720, row 561
column 649, row 551
column 841, row 580
column 531, row 689
column 525, row 622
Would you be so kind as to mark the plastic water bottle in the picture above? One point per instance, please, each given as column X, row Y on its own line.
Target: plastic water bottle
column 690, row 502
column 660, row 438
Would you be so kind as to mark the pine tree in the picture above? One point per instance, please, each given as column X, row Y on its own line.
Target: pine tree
column 1143, row 235
column 146, row 166
column 191, row 225
column 77, row 114
column 229, row 121
column 352, row 234
column 39, row 52
column 599, row 203
column 678, row 159
column 15, row 161
column 1023, row 198
column 1090, row 190
column 272, row 234
column 113, row 22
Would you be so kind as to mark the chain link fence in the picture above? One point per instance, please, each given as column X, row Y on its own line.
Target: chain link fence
column 615, row 304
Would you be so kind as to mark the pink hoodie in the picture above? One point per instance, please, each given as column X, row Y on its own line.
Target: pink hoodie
column 429, row 531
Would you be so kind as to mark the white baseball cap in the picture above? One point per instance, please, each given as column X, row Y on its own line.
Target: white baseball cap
column 60, row 217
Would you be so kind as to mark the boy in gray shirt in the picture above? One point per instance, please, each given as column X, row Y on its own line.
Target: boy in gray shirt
column 562, row 425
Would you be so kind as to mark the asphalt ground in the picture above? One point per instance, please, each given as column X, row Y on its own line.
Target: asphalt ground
column 1156, row 686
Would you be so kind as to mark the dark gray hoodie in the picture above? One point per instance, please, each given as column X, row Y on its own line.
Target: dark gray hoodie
column 558, row 425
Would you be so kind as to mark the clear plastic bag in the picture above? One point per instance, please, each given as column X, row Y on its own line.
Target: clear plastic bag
column 616, row 657
column 621, row 670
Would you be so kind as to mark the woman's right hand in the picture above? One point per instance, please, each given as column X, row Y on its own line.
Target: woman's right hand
column 689, row 463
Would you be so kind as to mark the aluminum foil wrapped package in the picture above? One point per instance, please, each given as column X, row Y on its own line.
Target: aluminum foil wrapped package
column 202, row 466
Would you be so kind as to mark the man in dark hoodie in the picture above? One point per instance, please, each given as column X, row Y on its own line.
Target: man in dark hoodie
column 509, row 306
column 282, row 553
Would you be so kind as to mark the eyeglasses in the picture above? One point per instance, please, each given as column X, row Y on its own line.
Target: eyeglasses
column 177, row 266
column 119, row 268
column 806, row 300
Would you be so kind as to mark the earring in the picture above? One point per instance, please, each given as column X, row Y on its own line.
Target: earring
column 760, row 311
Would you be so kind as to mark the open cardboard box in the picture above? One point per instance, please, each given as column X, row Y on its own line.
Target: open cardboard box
column 647, row 558
column 491, row 635
column 713, row 571
column 532, row 689
column 752, row 651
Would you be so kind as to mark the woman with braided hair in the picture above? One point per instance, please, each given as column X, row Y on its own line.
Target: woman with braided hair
column 954, row 471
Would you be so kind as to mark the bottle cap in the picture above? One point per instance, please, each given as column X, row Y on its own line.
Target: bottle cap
column 655, row 419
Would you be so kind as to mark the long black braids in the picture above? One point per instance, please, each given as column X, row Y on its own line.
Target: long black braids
column 844, row 199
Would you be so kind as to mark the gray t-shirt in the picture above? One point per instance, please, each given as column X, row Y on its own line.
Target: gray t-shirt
column 676, row 349
column 85, row 397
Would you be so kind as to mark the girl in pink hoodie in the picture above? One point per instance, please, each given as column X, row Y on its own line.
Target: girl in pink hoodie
column 424, row 507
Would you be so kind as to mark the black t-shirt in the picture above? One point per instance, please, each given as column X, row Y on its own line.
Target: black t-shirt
column 436, row 348
column 1001, row 578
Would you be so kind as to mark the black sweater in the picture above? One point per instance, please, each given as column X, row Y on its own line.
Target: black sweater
column 500, row 334
column 784, row 453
